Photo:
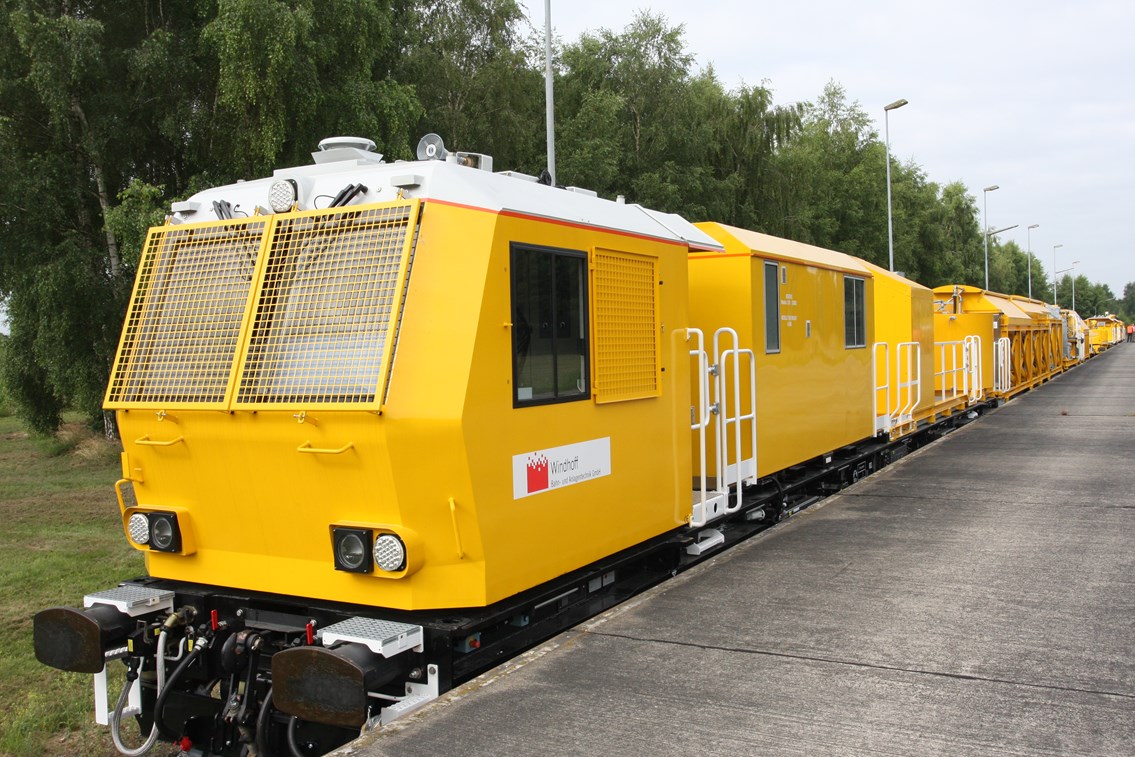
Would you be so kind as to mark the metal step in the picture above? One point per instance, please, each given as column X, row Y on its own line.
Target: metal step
column 132, row 600
column 384, row 637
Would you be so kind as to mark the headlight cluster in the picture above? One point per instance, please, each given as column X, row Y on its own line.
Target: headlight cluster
column 157, row 530
column 359, row 550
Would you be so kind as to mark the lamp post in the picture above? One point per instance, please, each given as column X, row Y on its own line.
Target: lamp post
column 887, row 127
column 985, row 218
column 1074, row 284
column 1029, row 234
column 989, row 234
column 550, row 111
column 1055, row 247
column 1071, row 268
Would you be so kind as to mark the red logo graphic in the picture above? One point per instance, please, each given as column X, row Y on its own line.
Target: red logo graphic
column 537, row 473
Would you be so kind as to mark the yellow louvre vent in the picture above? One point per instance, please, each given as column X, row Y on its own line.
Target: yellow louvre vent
column 327, row 312
column 183, row 324
column 625, row 297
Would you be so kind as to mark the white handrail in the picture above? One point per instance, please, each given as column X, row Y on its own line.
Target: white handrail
column 702, row 421
column 1002, row 358
column 904, row 409
column 953, row 376
column 727, row 417
column 882, row 420
column 975, row 388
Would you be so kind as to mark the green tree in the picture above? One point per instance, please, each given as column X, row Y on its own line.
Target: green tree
column 471, row 72
column 1126, row 305
column 835, row 189
column 108, row 110
column 637, row 119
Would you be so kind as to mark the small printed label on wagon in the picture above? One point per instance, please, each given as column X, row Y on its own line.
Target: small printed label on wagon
column 555, row 468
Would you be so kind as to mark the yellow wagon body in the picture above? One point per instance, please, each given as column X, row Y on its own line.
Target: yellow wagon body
column 1104, row 331
column 807, row 314
column 1020, row 338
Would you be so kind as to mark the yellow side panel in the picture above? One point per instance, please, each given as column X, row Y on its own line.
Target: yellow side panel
column 949, row 327
column 533, row 536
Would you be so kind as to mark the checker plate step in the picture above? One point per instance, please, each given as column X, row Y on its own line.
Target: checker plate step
column 132, row 600
column 384, row 637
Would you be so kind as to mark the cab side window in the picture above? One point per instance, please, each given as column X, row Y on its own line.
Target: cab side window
column 549, row 325
column 772, row 307
column 854, row 312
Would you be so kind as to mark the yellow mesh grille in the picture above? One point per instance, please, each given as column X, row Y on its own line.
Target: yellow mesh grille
column 625, row 296
column 183, row 324
column 328, row 307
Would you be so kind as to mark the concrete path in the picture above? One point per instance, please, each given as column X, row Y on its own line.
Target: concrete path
column 976, row 598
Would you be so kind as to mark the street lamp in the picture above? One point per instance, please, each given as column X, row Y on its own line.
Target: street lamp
column 985, row 217
column 1029, row 233
column 887, row 126
column 1074, row 263
column 989, row 234
column 1071, row 268
column 1054, row 248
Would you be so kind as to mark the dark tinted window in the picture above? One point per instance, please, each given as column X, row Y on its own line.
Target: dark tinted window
column 854, row 313
column 549, row 317
column 772, row 308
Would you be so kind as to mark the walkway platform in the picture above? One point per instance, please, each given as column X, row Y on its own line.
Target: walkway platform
column 975, row 598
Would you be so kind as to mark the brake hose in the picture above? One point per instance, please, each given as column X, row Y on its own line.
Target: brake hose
column 116, row 716
column 163, row 691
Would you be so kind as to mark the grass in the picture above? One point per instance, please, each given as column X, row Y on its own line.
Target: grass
column 61, row 538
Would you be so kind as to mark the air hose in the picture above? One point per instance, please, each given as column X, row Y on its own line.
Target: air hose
column 262, row 725
column 163, row 691
column 116, row 716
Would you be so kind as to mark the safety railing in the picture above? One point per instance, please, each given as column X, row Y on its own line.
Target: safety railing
column 975, row 388
column 908, row 382
column 951, row 378
column 1002, row 365
column 720, row 387
column 731, row 415
column 882, row 414
column 895, row 394
column 700, row 415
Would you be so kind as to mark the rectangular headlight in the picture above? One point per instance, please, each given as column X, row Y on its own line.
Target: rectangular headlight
column 352, row 547
column 165, row 534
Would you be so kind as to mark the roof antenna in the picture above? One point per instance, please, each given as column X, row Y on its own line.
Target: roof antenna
column 545, row 178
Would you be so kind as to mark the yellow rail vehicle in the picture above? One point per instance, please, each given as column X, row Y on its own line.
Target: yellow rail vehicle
column 387, row 424
column 804, row 311
column 1104, row 331
column 436, row 457
column 1020, row 338
column 1076, row 338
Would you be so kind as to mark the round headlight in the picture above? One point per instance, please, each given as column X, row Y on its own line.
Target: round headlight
column 161, row 533
column 389, row 553
column 351, row 551
column 139, row 527
column 283, row 195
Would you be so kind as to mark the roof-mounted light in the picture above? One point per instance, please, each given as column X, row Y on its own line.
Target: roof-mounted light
column 283, row 195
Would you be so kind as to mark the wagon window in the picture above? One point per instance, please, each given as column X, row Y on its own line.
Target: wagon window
column 772, row 308
column 854, row 313
column 550, row 328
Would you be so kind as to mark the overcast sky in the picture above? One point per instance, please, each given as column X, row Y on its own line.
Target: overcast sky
column 1036, row 97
